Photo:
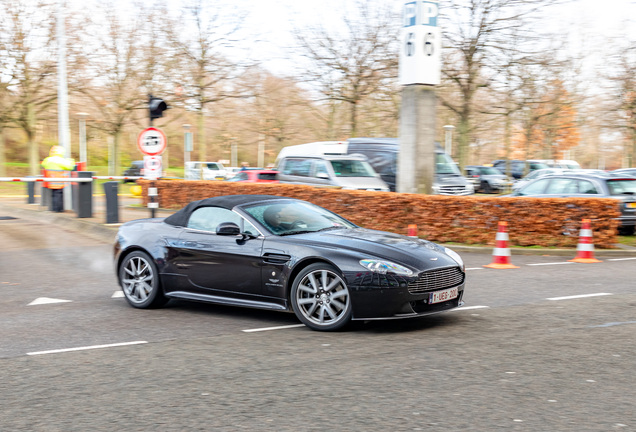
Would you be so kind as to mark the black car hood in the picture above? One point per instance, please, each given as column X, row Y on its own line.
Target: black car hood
column 414, row 252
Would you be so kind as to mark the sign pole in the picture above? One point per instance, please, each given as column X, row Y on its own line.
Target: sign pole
column 420, row 72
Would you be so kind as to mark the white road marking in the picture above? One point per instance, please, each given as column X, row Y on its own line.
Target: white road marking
column 118, row 294
column 474, row 268
column 579, row 296
column 47, row 300
column 469, row 308
column 86, row 348
column 554, row 263
column 621, row 259
column 272, row 328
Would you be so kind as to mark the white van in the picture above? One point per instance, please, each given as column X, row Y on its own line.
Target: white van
column 317, row 164
column 205, row 171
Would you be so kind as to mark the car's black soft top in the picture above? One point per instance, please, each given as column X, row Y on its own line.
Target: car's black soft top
column 181, row 217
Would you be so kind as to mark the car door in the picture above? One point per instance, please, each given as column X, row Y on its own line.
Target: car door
column 218, row 264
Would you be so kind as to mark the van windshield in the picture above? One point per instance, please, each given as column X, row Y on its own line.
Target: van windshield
column 352, row 168
column 445, row 165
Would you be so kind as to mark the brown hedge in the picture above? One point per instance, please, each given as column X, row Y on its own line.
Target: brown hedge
column 469, row 219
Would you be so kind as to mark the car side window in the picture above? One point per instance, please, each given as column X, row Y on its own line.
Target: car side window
column 587, row 187
column 297, row 167
column 321, row 168
column 208, row 218
column 562, row 186
column 535, row 188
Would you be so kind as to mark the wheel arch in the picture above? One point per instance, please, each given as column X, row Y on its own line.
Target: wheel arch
column 301, row 265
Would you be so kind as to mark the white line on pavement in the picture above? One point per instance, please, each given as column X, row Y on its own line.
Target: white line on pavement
column 469, row 308
column 474, row 268
column 86, row 348
column 554, row 263
column 621, row 259
column 273, row 328
column 579, row 296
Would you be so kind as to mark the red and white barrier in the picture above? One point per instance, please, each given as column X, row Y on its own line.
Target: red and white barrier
column 501, row 253
column 585, row 248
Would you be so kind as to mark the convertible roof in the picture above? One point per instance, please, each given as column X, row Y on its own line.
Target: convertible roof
column 181, row 217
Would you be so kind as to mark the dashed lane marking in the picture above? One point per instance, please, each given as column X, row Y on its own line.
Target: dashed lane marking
column 622, row 259
column 468, row 308
column 118, row 294
column 47, row 300
column 554, row 263
column 579, row 296
column 84, row 348
column 272, row 328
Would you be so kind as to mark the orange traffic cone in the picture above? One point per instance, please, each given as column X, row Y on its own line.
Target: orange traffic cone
column 501, row 254
column 412, row 231
column 585, row 248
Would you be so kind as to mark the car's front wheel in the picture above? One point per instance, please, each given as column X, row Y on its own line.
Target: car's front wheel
column 320, row 298
column 139, row 280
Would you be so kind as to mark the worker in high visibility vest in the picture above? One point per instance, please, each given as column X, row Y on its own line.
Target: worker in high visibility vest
column 57, row 166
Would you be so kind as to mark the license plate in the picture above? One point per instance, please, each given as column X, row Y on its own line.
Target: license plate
column 442, row 296
column 631, row 205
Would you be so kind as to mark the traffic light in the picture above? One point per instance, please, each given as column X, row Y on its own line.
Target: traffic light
column 156, row 106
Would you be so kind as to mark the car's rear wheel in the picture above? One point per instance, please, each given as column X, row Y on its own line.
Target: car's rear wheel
column 139, row 280
column 320, row 298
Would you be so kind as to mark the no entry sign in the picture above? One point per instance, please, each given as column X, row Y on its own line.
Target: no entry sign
column 152, row 141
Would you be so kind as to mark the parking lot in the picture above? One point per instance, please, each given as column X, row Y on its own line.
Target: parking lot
column 543, row 347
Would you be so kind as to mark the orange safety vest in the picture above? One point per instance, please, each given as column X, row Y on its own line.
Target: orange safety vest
column 49, row 173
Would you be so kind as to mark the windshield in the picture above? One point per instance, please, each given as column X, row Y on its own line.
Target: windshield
column 352, row 168
column 286, row 218
column 213, row 166
column 622, row 187
column 445, row 165
column 490, row 171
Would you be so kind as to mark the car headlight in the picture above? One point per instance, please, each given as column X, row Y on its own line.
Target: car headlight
column 384, row 267
column 454, row 255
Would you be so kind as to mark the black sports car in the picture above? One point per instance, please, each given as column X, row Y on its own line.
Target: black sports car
column 284, row 254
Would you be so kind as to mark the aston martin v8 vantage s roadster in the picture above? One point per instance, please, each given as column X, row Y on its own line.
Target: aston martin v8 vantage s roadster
column 284, row 254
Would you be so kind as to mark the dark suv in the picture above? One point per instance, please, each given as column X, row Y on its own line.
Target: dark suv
column 605, row 185
column 518, row 167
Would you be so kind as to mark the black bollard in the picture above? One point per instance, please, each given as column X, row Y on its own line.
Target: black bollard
column 112, row 202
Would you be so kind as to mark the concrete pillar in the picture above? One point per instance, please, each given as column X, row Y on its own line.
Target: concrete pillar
column 416, row 161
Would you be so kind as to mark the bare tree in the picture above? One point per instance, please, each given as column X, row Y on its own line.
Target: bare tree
column 202, row 40
column 358, row 60
column 476, row 32
column 26, row 50
column 623, row 80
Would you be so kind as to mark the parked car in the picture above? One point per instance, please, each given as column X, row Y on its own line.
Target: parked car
column 382, row 155
column 605, row 185
column 284, row 254
column 255, row 176
column 518, row 167
column 534, row 175
column 560, row 163
column 625, row 171
column 205, row 171
column 486, row 179
column 347, row 172
column 136, row 169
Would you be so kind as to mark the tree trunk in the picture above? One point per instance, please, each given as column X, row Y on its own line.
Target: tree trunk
column 34, row 153
column 201, row 135
column 3, row 160
column 354, row 115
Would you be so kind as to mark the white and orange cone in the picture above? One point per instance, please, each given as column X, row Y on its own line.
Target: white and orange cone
column 585, row 248
column 501, row 253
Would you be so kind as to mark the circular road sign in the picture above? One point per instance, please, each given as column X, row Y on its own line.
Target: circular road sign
column 152, row 141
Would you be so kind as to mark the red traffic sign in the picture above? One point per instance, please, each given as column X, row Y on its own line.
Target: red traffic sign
column 152, row 167
column 152, row 141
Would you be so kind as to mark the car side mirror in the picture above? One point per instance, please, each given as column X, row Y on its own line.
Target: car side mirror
column 228, row 229
column 323, row 176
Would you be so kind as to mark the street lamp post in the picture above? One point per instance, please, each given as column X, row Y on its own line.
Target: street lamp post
column 83, row 156
column 449, row 138
column 187, row 146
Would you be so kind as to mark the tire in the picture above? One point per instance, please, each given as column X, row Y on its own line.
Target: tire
column 320, row 298
column 485, row 186
column 139, row 280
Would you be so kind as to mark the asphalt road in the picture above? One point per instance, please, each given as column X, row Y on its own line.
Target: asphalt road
column 519, row 356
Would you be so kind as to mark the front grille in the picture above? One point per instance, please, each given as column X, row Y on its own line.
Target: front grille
column 434, row 280
column 452, row 190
